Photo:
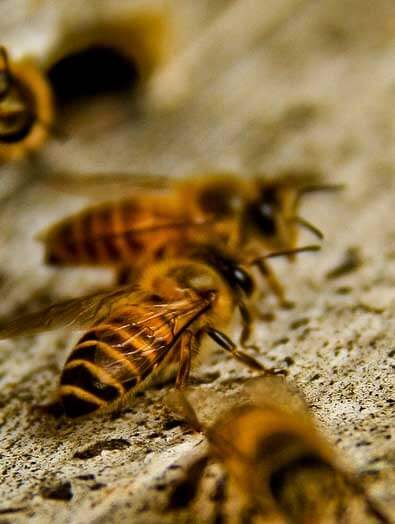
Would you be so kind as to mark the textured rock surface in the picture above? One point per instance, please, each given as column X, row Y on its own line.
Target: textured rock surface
column 242, row 91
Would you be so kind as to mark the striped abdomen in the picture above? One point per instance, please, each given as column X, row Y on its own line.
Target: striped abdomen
column 113, row 358
column 115, row 233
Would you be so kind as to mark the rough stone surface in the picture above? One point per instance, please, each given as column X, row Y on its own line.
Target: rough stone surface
column 248, row 89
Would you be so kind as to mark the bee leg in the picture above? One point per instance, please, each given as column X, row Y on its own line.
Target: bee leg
column 185, row 360
column 267, row 272
column 246, row 327
column 226, row 343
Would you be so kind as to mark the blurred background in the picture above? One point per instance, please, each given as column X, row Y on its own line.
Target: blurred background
column 177, row 88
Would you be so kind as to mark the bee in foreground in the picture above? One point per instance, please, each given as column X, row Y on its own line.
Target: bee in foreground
column 252, row 216
column 276, row 458
column 134, row 332
column 26, row 108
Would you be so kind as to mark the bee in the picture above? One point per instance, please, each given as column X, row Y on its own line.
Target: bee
column 26, row 108
column 277, row 459
column 133, row 332
column 250, row 215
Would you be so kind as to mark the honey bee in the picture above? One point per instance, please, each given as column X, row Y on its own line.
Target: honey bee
column 133, row 332
column 250, row 215
column 26, row 108
column 276, row 458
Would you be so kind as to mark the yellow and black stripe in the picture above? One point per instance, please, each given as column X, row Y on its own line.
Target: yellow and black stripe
column 100, row 235
column 111, row 359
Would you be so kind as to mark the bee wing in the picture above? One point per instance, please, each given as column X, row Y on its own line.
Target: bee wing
column 300, row 181
column 75, row 313
column 132, row 216
column 200, row 408
column 103, row 184
column 131, row 341
column 275, row 393
column 294, row 178
column 270, row 392
column 178, row 402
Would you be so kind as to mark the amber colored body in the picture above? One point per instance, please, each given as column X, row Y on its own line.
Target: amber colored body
column 224, row 206
column 118, row 354
column 281, row 464
column 250, row 216
column 26, row 108
column 130, row 232
column 132, row 332
column 280, row 461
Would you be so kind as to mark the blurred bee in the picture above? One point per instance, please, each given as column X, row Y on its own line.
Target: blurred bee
column 134, row 332
column 277, row 460
column 252, row 216
column 26, row 108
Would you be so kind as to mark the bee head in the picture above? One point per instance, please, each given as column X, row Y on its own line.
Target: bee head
column 227, row 266
column 272, row 215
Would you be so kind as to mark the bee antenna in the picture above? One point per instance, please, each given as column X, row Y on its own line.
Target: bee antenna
column 318, row 188
column 286, row 253
column 307, row 225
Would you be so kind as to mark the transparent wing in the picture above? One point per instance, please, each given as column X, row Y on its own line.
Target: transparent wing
column 156, row 228
column 275, row 393
column 301, row 181
column 177, row 402
column 267, row 392
column 103, row 184
column 142, row 336
column 75, row 313
column 292, row 177
column 90, row 310
column 133, row 216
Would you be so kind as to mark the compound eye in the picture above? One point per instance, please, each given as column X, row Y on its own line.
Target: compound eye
column 243, row 280
column 264, row 218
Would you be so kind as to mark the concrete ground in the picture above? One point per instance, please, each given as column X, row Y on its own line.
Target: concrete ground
column 292, row 86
